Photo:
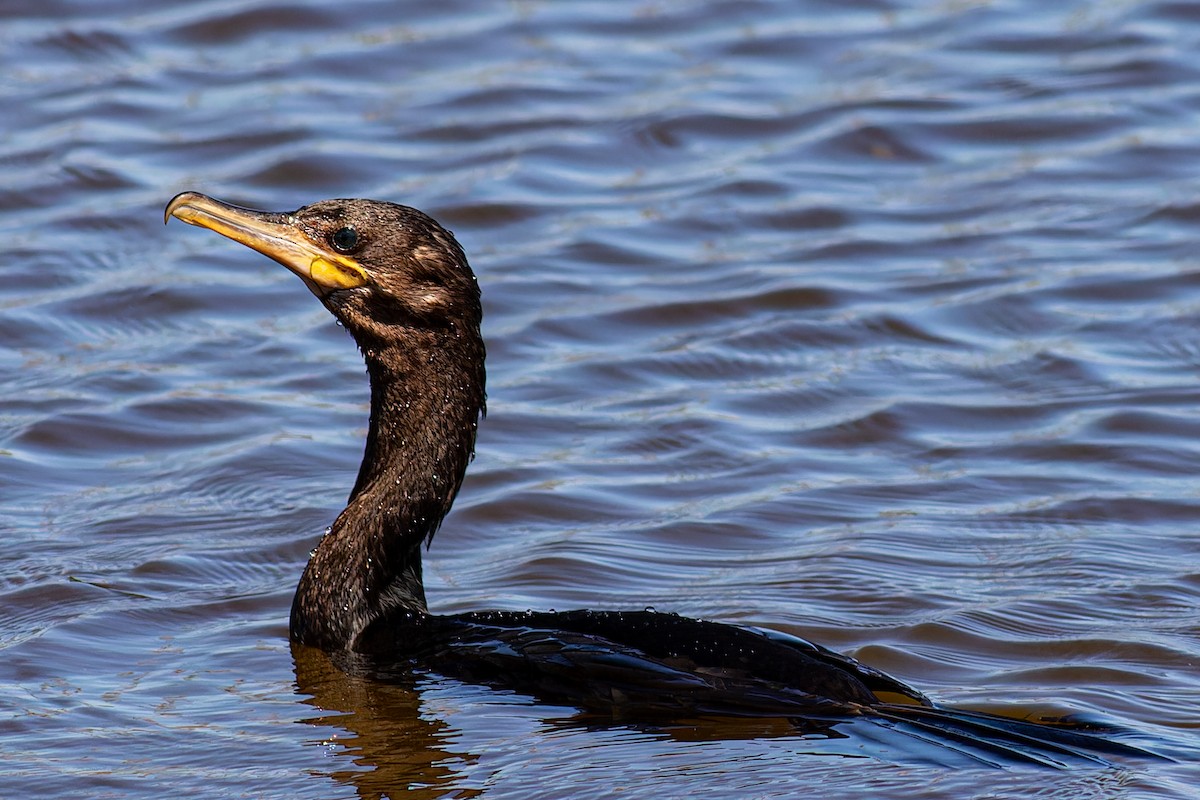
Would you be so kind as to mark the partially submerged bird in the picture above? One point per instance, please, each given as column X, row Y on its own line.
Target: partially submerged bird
column 400, row 284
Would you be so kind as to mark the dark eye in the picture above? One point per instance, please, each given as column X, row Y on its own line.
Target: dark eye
column 344, row 239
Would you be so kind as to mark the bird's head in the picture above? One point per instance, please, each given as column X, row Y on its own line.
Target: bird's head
column 377, row 266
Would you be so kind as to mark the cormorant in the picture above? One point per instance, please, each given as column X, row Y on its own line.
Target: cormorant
column 400, row 284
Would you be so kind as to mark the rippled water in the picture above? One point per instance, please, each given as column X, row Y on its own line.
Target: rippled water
column 871, row 322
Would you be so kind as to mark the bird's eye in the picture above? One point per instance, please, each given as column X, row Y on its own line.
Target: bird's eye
column 344, row 239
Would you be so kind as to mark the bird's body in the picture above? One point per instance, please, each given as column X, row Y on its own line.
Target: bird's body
column 640, row 663
column 401, row 285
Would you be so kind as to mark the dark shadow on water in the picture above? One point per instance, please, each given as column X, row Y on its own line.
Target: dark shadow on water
column 397, row 743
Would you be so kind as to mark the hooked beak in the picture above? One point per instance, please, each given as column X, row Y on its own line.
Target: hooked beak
column 275, row 235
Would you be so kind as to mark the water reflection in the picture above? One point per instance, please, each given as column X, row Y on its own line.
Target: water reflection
column 392, row 732
column 388, row 739
column 426, row 736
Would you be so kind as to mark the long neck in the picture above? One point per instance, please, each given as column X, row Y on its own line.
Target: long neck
column 426, row 397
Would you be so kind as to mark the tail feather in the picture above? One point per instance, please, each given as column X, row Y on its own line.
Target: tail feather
column 1009, row 739
column 984, row 751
